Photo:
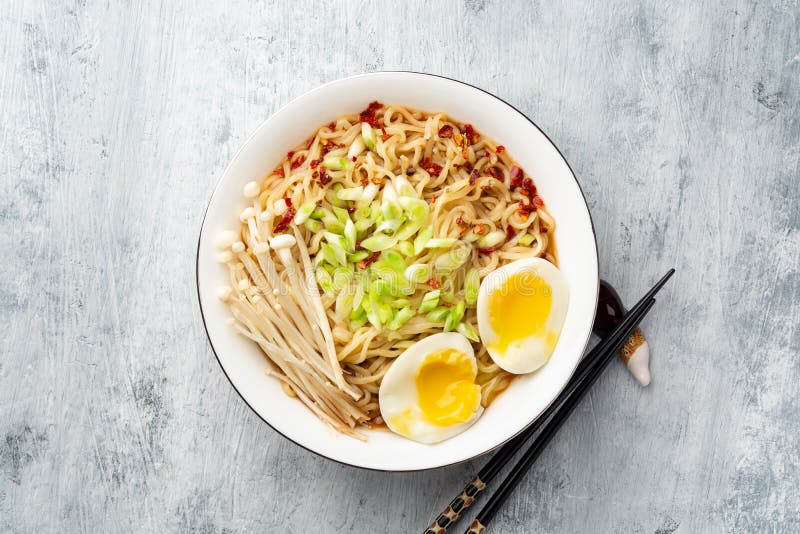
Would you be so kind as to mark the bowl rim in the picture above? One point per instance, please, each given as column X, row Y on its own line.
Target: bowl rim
column 241, row 149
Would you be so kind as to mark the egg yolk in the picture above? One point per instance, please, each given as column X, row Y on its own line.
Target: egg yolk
column 446, row 388
column 519, row 309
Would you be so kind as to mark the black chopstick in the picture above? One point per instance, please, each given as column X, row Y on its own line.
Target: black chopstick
column 613, row 341
column 538, row 445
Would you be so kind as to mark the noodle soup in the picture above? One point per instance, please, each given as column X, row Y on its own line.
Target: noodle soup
column 371, row 235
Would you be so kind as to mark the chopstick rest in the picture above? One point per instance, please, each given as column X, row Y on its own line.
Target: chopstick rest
column 635, row 354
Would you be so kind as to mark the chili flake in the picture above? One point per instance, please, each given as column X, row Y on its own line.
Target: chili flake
column 478, row 229
column 516, row 176
column 363, row 264
column 431, row 167
column 410, row 171
column 500, row 149
column 473, row 176
column 446, row 131
column 434, row 283
column 283, row 224
column 487, row 250
column 469, row 134
column 299, row 161
column 525, row 208
column 368, row 115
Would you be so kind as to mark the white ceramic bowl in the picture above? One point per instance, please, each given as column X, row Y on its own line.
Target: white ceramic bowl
column 528, row 395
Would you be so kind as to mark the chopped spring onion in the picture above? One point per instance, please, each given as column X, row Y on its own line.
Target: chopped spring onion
column 350, row 236
column 324, row 280
column 338, row 245
column 389, row 226
column 492, row 239
column 358, row 296
column 370, row 192
column 466, row 330
column 375, row 211
column 379, row 242
column 385, row 312
column 441, row 242
column 327, row 254
column 344, row 304
column 390, row 208
column 453, row 259
column 332, row 224
column 422, row 239
column 394, row 260
column 342, row 276
column 334, row 163
column 368, row 135
column 359, row 321
column 526, row 239
column 404, row 187
column 418, row 273
column 362, row 225
column 429, row 301
column 389, row 282
column 332, row 199
column 319, row 213
column 406, row 248
column 472, row 283
column 417, row 209
column 438, row 314
column 350, row 193
column 304, row 212
column 372, row 315
column 408, row 229
column 404, row 344
column 470, row 236
column 454, row 317
column 400, row 303
column 401, row 318
column 313, row 226
column 357, row 256
column 341, row 214
column 356, row 148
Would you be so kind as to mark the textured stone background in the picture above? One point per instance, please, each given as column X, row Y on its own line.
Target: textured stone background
column 680, row 121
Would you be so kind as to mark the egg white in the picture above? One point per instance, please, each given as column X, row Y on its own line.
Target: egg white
column 528, row 354
column 398, row 398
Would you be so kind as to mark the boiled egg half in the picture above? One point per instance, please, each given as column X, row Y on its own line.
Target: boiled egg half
column 521, row 310
column 429, row 393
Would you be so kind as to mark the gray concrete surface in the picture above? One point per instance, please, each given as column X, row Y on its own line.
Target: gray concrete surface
column 681, row 122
